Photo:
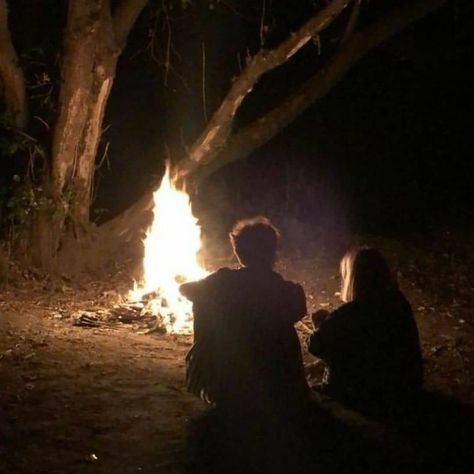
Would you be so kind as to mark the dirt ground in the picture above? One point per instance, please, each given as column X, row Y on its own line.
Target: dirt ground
column 111, row 400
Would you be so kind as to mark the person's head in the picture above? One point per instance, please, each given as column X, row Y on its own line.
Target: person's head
column 365, row 274
column 255, row 242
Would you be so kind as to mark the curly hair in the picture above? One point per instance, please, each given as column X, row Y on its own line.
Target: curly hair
column 255, row 241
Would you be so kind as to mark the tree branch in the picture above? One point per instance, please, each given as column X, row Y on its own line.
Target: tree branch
column 351, row 24
column 268, row 126
column 219, row 128
column 130, row 224
column 11, row 74
column 124, row 16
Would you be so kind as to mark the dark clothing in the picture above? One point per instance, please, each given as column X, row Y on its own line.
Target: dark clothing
column 246, row 352
column 372, row 351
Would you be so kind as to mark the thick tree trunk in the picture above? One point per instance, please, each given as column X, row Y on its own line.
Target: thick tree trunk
column 12, row 81
column 88, row 72
column 93, row 40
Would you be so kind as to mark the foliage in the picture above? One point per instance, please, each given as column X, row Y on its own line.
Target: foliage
column 21, row 195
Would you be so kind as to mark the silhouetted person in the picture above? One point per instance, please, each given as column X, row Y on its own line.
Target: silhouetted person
column 246, row 355
column 371, row 343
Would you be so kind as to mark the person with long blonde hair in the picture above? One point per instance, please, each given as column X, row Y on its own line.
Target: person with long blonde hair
column 370, row 344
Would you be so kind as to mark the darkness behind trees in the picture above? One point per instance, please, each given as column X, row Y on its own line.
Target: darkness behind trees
column 388, row 151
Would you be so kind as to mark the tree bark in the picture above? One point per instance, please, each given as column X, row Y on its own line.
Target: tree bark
column 87, row 74
column 219, row 128
column 93, row 40
column 12, row 80
column 353, row 49
column 130, row 223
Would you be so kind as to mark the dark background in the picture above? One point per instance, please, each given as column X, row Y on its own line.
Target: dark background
column 388, row 151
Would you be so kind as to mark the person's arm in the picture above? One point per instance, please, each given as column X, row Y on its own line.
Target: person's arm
column 297, row 303
column 195, row 290
column 202, row 294
column 323, row 341
column 190, row 290
column 319, row 317
column 413, row 348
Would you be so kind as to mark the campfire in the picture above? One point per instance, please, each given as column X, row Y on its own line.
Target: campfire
column 170, row 259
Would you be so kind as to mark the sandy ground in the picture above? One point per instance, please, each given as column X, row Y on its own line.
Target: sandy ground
column 110, row 400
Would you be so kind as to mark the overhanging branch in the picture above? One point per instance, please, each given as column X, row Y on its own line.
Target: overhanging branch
column 360, row 43
column 130, row 224
column 124, row 17
column 351, row 24
column 219, row 128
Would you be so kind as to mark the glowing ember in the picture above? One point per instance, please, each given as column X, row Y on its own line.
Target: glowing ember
column 171, row 248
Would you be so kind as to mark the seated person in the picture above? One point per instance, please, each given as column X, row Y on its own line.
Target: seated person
column 370, row 343
column 246, row 353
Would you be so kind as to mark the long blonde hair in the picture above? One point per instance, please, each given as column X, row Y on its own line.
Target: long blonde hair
column 347, row 283
column 365, row 273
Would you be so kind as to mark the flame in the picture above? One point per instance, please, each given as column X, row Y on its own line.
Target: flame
column 170, row 258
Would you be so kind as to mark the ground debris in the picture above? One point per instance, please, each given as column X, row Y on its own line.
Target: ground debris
column 437, row 350
column 85, row 319
column 136, row 315
column 127, row 313
column 80, row 395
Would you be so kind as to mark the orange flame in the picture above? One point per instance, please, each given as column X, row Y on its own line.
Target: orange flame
column 171, row 246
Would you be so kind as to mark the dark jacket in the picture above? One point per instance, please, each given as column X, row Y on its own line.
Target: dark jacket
column 372, row 350
column 246, row 349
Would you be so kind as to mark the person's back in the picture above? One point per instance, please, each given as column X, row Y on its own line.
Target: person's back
column 371, row 346
column 244, row 330
column 372, row 350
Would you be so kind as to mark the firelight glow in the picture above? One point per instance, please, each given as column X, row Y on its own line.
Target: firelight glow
column 170, row 258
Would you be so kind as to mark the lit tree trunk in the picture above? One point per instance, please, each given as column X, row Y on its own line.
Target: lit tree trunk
column 12, row 82
column 88, row 70
column 93, row 39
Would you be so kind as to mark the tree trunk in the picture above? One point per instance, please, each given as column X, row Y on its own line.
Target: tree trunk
column 87, row 74
column 88, row 71
column 12, row 80
column 93, row 40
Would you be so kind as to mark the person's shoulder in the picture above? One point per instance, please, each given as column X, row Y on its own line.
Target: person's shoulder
column 344, row 310
column 397, row 300
column 290, row 295
column 222, row 274
column 288, row 287
column 403, row 307
column 339, row 316
column 287, row 283
column 402, row 298
column 193, row 290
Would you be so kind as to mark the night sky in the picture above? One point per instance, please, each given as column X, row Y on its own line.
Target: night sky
column 388, row 151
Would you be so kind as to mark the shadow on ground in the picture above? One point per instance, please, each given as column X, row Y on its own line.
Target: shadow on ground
column 436, row 437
